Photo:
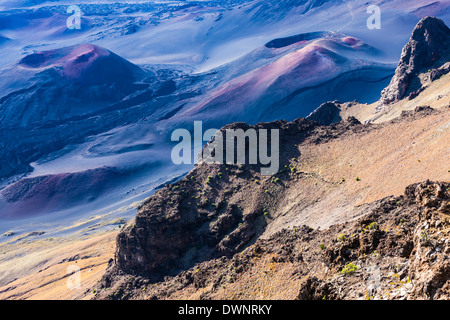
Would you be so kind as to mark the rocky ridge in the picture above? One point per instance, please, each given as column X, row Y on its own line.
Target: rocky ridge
column 399, row 250
column 216, row 215
column 215, row 210
column 327, row 113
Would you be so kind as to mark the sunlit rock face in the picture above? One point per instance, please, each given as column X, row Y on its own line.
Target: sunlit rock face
column 428, row 48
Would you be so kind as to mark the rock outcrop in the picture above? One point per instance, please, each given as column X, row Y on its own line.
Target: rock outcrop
column 327, row 113
column 216, row 210
column 427, row 49
column 201, row 216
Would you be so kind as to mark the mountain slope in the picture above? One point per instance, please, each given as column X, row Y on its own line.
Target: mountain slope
column 299, row 73
column 212, row 52
column 322, row 187
column 70, row 82
column 313, row 194
column 61, row 97
column 331, row 175
column 397, row 250
column 85, row 108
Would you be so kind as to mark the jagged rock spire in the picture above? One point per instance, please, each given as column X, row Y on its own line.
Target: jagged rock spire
column 428, row 47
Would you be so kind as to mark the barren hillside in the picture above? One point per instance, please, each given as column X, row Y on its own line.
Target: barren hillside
column 332, row 175
column 358, row 210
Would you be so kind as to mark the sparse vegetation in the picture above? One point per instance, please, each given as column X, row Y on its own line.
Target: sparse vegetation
column 349, row 269
column 372, row 226
column 424, row 236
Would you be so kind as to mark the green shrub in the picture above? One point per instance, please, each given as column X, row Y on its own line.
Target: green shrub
column 372, row 226
column 349, row 269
